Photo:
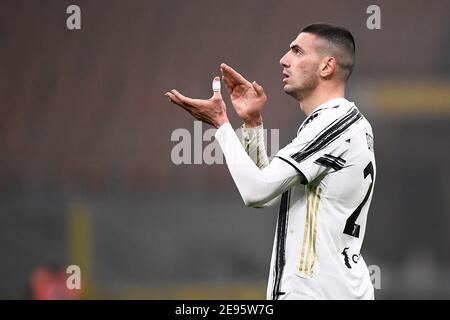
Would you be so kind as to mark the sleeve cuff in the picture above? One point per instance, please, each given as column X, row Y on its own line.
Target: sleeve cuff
column 251, row 134
column 221, row 131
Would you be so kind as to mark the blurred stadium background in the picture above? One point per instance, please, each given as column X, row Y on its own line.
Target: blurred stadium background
column 86, row 176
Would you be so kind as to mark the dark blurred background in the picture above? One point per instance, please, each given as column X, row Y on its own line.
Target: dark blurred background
column 86, row 175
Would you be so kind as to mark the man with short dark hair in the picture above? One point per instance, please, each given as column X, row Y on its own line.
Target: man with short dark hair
column 324, row 177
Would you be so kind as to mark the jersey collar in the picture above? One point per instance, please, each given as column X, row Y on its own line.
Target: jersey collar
column 333, row 103
column 330, row 104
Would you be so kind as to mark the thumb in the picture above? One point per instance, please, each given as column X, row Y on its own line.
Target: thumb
column 216, row 85
column 259, row 90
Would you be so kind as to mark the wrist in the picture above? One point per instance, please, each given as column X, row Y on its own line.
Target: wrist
column 221, row 121
column 253, row 122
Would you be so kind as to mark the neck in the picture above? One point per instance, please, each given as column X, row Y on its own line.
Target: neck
column 319, row 96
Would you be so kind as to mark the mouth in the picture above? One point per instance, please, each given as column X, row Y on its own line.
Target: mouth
column 285, row 76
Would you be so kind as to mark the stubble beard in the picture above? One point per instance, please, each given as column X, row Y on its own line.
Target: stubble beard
column 299, row 93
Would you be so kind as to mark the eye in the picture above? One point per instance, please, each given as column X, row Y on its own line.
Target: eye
column 296, row 51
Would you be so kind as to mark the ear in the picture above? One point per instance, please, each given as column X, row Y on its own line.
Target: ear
column 328, row 67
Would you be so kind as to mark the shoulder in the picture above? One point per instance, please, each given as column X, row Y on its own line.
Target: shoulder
column 330, row 120
column 344, row 110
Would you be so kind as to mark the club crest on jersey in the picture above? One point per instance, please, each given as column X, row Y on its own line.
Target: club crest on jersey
column 347, row 260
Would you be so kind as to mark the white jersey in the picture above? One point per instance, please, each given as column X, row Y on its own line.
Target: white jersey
column 321, row 224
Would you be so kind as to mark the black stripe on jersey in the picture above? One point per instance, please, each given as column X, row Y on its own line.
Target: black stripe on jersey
column 308, row 120
column 304, row 180
column 280, row 260
column 328, row 135
column 338, row 160
column 311, row 117
column 327, row 160
column 331, row 125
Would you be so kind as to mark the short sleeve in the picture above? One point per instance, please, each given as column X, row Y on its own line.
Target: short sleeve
column 321, row 145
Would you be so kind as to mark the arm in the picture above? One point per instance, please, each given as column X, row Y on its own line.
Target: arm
column 248, row 100
column 256, row 186
column 252, row 140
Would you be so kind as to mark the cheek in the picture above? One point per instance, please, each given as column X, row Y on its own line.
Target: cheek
column 310, row 68
column 305, row 69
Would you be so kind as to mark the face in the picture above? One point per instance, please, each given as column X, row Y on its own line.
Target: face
column 301, row 66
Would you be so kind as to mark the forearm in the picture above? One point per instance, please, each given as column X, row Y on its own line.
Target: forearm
column 256, row 186
column 252, row 139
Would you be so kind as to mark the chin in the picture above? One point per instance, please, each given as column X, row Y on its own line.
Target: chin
column 287, row 89
column 291, row 92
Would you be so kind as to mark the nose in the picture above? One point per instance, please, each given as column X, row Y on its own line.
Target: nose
column 284, row 61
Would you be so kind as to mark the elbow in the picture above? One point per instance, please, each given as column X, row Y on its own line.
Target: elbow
column 253, row 201
column 257, row 193
column 250, row 204
column 248, row 199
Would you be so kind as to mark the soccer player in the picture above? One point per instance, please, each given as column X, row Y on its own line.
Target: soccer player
column 324, row 177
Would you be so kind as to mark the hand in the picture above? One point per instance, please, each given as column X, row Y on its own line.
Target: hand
column 248, row 98
column 212, row 111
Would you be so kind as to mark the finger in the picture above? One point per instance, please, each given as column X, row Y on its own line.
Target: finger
column 185, row 101
column 216, row 86
column 222, row 67
column 178, row 98
column 232, row 74
column 228, row 84
column 172, row 97
column 175, row 100
column 259, row 90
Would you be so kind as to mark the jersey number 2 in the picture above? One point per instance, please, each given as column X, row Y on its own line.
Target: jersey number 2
column 351, row 228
